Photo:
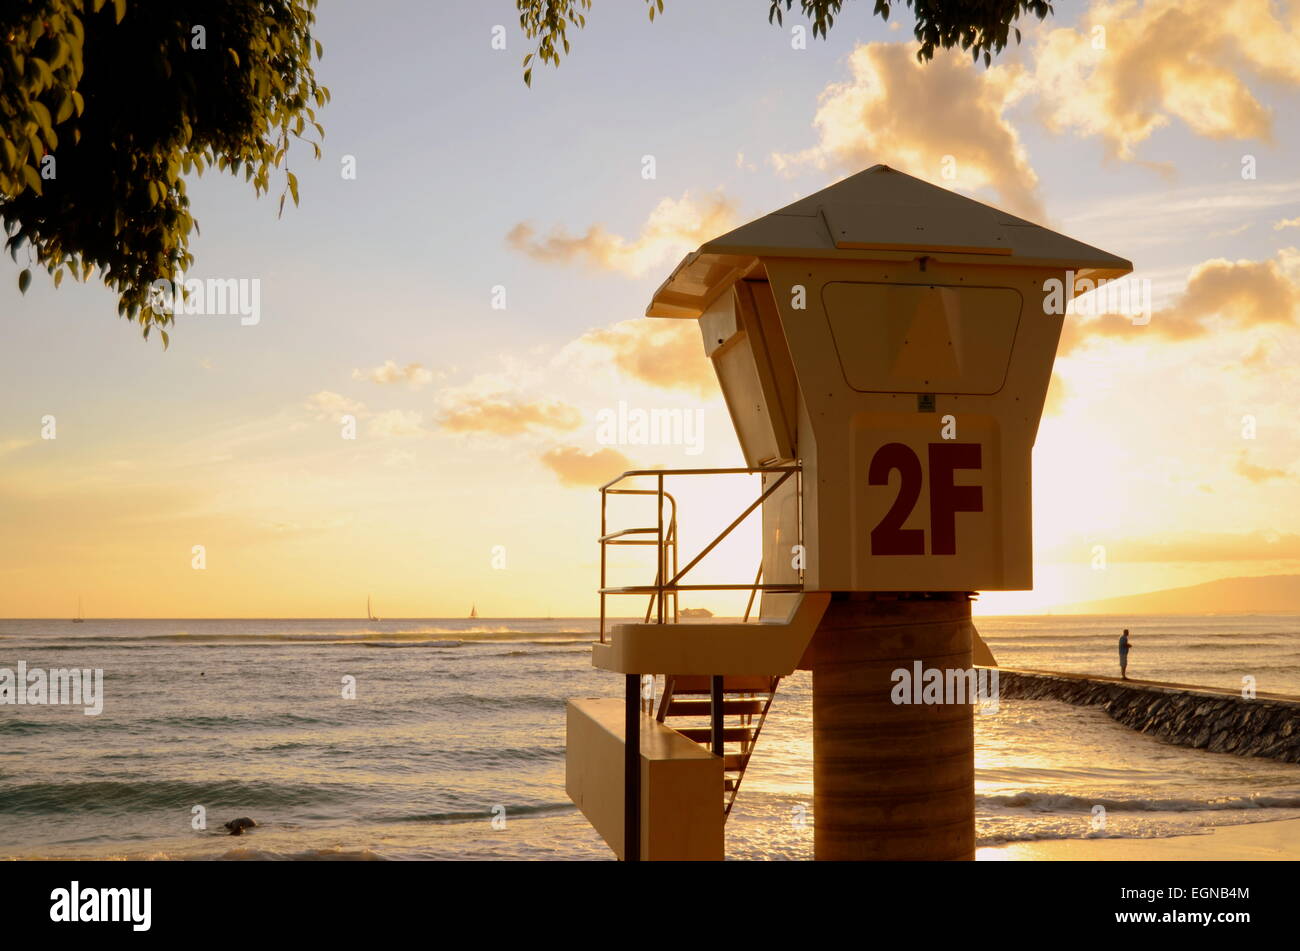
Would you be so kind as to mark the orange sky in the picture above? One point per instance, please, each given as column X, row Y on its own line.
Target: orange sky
column 472, row 299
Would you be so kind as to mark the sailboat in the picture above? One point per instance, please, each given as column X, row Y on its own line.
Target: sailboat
column 370, row 615
column 78, row 619
column 473, row 611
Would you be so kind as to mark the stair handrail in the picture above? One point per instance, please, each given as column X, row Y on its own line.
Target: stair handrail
column 665, row 539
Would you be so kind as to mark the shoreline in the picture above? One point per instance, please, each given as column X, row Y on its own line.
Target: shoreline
column 1273, row 840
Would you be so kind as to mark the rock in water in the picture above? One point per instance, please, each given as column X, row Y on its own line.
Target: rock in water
column 237, row 826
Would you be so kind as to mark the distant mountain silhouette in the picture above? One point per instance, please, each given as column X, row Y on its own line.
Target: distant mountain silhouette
column 1269, row 594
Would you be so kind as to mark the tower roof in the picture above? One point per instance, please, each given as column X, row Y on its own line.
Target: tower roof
column 880, row 214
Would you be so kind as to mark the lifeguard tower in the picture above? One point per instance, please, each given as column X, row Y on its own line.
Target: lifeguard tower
column 884, row 347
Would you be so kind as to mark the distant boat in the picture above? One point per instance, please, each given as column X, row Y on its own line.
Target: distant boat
column 473, row 611
column 78, row 619
column 370, row 615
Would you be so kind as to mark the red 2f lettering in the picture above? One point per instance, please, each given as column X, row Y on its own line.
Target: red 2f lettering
column 946, row 497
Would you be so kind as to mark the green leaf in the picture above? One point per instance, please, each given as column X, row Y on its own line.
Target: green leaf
column 33, row 179
column 42, row 116
column 24, row 279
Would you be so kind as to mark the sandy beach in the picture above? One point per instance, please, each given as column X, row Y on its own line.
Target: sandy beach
column 1260, row 841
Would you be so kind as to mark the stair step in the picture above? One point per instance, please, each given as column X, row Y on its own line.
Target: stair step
column 703, row 708
column 704, row 735
column 735, row 761
column 737, row 683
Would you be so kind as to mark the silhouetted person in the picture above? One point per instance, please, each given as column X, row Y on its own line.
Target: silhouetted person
column 1123, row 655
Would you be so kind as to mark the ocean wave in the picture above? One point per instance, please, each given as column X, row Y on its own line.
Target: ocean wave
column 511, row 812
column 109, row 796
column 30, row 727
column 436, row 636
column 392, row 646
column 493, row 757
column 246, row 854
column 478, row 701
column 1061, row 802
column 1053, row 835
column 585, row 651
column 187, row 722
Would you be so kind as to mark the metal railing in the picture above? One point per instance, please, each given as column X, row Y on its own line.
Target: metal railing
column 663, row 535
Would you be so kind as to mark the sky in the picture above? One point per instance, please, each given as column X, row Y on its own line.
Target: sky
column 473, row 296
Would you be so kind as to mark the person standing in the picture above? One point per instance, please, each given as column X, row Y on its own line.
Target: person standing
column 1123, row 655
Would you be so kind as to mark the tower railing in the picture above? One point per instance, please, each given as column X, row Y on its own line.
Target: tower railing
column 664, row 537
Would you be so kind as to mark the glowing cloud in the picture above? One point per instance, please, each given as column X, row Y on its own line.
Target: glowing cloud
column 576, row 468
column 508, row 416
column 1253, row 473
column 665, row 353
column 945, row 116
column 674, row 227
column 1242, row 294
column 413, row 373
column 330, row 405
column 1130, row 68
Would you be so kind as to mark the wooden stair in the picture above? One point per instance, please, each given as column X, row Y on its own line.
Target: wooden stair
column 686, row 707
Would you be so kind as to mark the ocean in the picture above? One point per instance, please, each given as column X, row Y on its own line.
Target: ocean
column 453, row 746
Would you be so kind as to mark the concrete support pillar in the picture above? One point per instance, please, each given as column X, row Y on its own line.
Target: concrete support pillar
column 892, row 781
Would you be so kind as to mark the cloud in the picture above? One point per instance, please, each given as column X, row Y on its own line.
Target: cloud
column 674, row 227
column 397, row 422
column 13, row 445
column 507, row 415
column 665, row 353
column 576, row 468
column 1287, row 223
column 1255, row 473
column 1211, row 547
column 1185, row 547
column 1164, row 60
column 413, row 373
column 1169, row 215
column 1056, row 396
column 1248, row 293
column 1242, row 294
column 329, row 405
column 924, row 119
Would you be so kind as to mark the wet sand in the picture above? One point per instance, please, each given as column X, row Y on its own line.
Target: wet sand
column 1260, row 841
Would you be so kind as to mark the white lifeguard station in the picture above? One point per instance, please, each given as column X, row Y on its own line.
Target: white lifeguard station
column 884, row 347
